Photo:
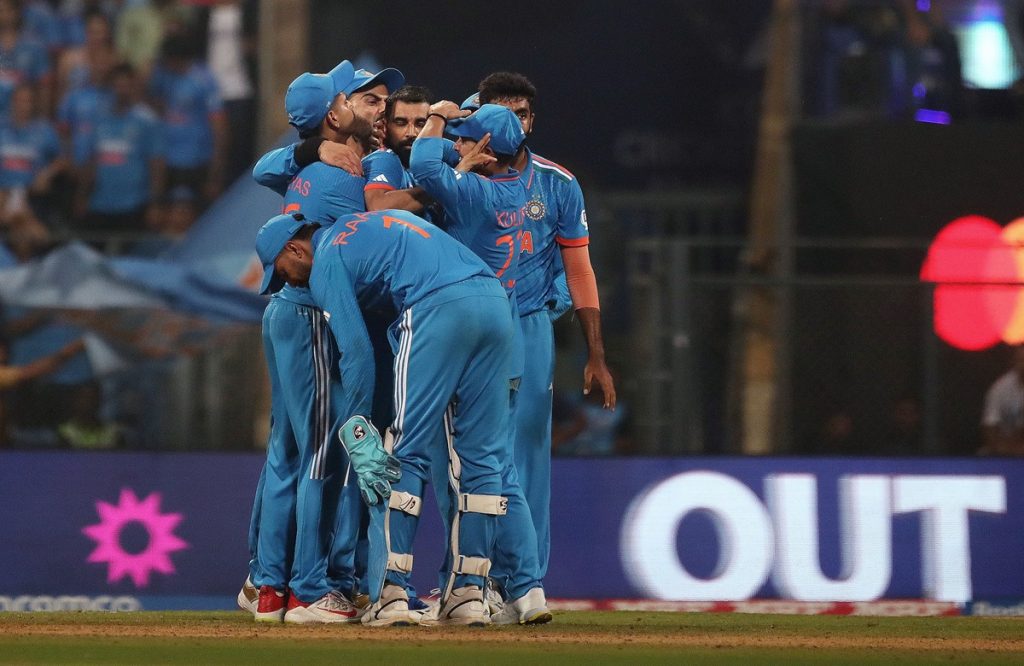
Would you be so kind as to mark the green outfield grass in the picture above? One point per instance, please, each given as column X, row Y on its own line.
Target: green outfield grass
column 574, row 637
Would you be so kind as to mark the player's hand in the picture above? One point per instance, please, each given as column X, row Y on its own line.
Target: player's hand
column 476, row 157
column 449, row 109
column 341, row 156
column 375, row 469
column 377, row 137
column 597, row 370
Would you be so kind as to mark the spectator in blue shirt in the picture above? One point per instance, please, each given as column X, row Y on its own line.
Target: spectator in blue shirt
column 30, row 158
column 81, row 107
column 122, row 163
column 194, row 125
column 75, row 66
column 43, row 24
column 22, row 59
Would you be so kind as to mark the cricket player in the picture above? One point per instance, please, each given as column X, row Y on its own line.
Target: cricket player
column 485, row 209
column 303, row 472
column 452, row 341
column 388, row 181
column 555, row 235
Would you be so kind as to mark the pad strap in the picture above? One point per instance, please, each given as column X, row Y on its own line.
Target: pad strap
column 405, row 502
column 493, row 505
column 400, row 562
column 472, row 566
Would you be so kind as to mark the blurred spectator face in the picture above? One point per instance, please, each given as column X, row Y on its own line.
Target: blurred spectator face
column 10, row 15
column 404, row 126
column 123, row 87
column 23, row 104
column 521, row 107
column 98, row 32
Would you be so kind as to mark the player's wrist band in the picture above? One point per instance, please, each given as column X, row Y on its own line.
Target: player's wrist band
column 441, row 116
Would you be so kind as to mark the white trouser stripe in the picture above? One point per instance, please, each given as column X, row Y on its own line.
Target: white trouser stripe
column 321, row 398
column 402, row 377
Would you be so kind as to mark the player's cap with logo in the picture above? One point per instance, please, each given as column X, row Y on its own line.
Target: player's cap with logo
column 364, row 78
column 504, row 127
column 270, row 240
column 471, row 103
column 310, row 96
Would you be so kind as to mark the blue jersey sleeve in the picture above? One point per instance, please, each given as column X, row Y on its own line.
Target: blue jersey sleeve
column 449, row 187
column 333, row 291
column 573, row 229
column 383, row 171
column 345, row 196
column 449, row 155
column 276, row 169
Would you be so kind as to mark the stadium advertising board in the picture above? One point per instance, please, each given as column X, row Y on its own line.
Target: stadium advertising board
column 126, row 531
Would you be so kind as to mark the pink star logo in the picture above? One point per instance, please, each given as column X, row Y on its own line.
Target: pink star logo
column 107, row 535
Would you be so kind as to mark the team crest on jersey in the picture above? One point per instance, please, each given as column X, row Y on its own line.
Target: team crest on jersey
column 535, row 209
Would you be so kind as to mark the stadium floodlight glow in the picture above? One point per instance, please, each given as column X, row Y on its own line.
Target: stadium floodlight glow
column 977, row 268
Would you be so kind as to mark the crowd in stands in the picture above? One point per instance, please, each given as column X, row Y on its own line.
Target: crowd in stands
column 120, row 121
column 120, row 116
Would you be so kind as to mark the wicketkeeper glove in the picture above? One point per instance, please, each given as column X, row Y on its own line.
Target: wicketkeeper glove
column 375, row 468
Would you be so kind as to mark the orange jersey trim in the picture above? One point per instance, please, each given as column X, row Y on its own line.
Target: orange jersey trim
column 378, row 186
column 572, row 242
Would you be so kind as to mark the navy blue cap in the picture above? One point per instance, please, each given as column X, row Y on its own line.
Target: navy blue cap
column 310, row 96
column 471, row 103
column 504, row 127
column 270, row 240
column 364, row 78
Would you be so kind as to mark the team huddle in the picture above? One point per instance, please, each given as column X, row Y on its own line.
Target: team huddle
column 414, row 283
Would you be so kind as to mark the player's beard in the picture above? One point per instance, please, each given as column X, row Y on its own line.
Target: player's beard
column 362, row 129
column 404, row 151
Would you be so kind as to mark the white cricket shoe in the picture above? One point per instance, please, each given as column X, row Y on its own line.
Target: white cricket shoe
column 249, row 597
column 391, row 610
column 492, row 595
column 464, row 606
column 331, row 608
column 531, row 608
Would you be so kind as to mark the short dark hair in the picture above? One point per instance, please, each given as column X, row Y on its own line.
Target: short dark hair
column 306, row 231
column 407, row 95
column 506, row 85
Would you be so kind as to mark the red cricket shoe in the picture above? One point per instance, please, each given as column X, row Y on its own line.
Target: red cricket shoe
column 271, row 605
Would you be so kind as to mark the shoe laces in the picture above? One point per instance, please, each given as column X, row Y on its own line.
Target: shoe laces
column 337, row 601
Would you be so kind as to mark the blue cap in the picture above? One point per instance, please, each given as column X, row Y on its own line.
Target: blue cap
column 270, row 240
column 364, row 78
column 310, row 96
column 504, row 127
column 472, row 103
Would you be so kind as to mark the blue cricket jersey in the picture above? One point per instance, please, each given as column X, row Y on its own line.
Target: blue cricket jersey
column 384, row 170
column 26, row 62
column 485, row 214
column 42, row 23
column 24, row 151
column 79, row 111
column 555, row 216
column 324, row 193
column 373, row 260
column 121, row 147
column 191, row 99
column 276, row 168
